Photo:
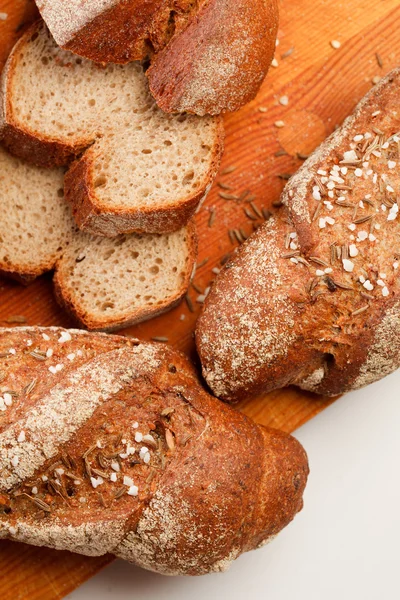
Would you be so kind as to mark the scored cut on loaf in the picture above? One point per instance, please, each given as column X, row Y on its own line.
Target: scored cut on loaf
column 110, row 445
column 105, row 283
column 137, row 169
column 313, row 297
column 207, row 56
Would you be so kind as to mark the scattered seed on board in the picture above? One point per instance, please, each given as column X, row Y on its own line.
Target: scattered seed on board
column 211, row 219
column 279, row 124
column 228, row 170
column 287, row 53
column 159, row 338
column 335, row 44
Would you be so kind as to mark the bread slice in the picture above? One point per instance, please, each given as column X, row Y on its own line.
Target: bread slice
column 36, row 224
column 313, row 297
column 140, row 170
column 105, row 283
column 110, row 283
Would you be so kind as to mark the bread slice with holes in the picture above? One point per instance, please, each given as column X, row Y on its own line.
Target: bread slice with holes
column 137, row 169
column 313, row 297
column 105, row 283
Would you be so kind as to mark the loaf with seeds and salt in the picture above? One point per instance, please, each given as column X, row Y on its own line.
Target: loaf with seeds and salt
column 110, row 445
column 137, row 169
column 207, row 56
column 105, row 283
column 313, row 297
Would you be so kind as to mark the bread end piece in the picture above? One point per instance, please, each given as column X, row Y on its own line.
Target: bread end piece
column 218, row 63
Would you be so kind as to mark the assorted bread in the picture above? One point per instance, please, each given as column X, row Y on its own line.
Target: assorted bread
column 313, row 297
column 110, row 445
column 206, row 56
column 105, row 283
column 136, row 169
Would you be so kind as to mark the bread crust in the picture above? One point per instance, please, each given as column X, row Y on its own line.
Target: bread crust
column 281, row 318
column 220, row 485
column 66, row 301
column 218, row 63
column 208, row 56
column 93, row 217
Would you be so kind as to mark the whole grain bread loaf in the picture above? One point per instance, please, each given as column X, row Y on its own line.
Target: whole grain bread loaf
column 313, row 297
column 137, row 169
column 110, row 445
column 105, row 283
column 207, row 56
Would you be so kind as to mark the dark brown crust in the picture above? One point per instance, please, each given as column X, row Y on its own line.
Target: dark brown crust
column 181, row 78
column 225, row 489
column 96, row 219
column 337, row 339
column 191, row 74
column 108, row 324
column 130, row 30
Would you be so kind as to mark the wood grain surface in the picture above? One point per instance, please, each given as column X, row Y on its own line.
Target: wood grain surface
column 321, row 84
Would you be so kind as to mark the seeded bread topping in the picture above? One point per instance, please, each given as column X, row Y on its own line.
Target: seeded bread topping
column 123, row 451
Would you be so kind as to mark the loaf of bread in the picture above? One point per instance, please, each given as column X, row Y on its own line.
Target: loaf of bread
column 109, row 445
column 105, row 283
column 138, row 169
column 207, row 56
column 313, row 297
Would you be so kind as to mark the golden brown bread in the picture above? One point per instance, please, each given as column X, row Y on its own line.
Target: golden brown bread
column 313, row 297
column 108, row 444
column 207, row 56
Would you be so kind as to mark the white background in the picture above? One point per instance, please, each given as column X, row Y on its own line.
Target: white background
column 346, row 542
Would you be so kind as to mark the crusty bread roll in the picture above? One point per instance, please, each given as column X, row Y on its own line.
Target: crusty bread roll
column 207, row 56
column 109, row 445
column 313, row 297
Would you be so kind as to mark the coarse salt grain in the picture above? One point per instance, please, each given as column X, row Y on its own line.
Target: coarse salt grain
column 362, row 235
column 133, row 490
column 15, row 461
column 34, row 491
column 350, row 156
column 274, row 63
column 71, row 356
column 45, row 337
column 358, row 172
column 353, row 251
column 352, row 227
column 12, row 351
column 12, row 530
column 348, row 265
column 49, row 353
column 115, row 466
column 65, row 337
column 21, row 437
column 385, row 291
column 358, row 138
column 319, row 273
column 371, row 237
column 128, row 481
column 321, row 223
column 135, row 425
column 368, row 285
column 391, row 164
column 96, row 482
column 7, row 399
column 284, row 100
column 113, row 477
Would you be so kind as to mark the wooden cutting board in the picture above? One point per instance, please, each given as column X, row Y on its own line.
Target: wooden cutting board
column 313, row 88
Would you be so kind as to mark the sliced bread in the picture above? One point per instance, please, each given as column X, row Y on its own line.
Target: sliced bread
column 137, row 168
column 105, row 283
